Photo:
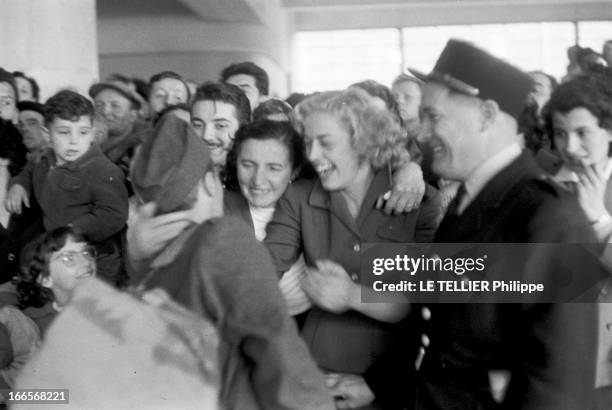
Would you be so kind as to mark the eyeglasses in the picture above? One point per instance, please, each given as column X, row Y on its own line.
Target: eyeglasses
column 73, row 258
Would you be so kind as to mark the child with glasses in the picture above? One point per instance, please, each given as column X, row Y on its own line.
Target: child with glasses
column 53, row 267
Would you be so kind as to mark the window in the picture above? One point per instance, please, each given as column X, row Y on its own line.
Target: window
column 594, row 33
column 529, row 46
column 327, row 60
column 332, row 60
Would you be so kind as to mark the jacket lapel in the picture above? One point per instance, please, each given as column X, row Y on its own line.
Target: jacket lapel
column 336, row 204
column 485, row 205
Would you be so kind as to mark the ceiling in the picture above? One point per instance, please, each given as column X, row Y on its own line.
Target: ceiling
column 217, row 11
column 345, row 14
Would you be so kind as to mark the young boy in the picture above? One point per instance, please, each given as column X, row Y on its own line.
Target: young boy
column 75, row 184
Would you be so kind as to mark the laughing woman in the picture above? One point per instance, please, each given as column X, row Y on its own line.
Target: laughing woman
column 266, row 157
column 352, row 143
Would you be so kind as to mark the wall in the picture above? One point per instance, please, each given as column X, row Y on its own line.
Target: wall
column 196, row 49
column 55, row 41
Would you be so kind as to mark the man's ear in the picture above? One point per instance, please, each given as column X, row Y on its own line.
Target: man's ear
column 490, row 111
column 133, row 114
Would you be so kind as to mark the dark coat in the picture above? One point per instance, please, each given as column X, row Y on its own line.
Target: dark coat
column 235, row 204
column 88, row 194
column 548, row 350
column 219, row 271
column 21, row 230
column 316, row 222
column 121, row 150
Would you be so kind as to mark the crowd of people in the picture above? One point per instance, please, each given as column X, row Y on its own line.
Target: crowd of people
column 251, row 212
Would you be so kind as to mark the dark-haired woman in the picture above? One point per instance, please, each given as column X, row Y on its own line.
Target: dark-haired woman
column 579, row 115
column 352, row 143
column 265, row 158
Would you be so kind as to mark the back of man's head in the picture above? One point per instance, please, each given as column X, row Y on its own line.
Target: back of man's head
column 171, row 163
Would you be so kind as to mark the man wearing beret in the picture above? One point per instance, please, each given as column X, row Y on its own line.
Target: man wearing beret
column 216, row 268
column 118, row 105
column 522, row 355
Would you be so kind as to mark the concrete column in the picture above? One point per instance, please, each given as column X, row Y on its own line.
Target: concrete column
column 54, row 41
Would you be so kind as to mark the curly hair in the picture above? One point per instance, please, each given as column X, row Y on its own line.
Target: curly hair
column 262, row 82
column 11, row 147
column 68, row 105
column 375, row 134
column 592, row 91
column 35, row 266
column 376, row 89
column 532, row 128
column 264, row 130
column 226, row 93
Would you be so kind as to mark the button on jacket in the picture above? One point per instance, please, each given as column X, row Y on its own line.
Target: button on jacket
column 314, row 221
column 88, row 194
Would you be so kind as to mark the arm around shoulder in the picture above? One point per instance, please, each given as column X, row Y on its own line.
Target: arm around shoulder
column 284, row 231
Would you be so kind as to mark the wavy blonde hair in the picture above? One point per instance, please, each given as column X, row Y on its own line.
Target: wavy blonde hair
column 374, row 133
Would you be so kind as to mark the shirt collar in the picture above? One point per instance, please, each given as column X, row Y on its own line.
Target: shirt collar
column 487, row 170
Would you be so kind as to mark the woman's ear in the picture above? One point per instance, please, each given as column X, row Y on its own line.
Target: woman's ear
column 489, row 110
column 46, row 282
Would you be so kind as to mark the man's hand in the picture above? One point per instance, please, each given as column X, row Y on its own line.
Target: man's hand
column 148, row 234
column 350, row 390
column 330, row 287
column 15, row 198
column 407, row 193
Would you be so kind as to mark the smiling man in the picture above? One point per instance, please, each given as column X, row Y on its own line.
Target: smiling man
column 217, row 112
column 118, row 106
column 521, row 355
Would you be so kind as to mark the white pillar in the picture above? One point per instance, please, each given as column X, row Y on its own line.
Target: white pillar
column 54, row 41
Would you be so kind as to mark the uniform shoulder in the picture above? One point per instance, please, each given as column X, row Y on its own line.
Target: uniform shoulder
column 541, row 188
